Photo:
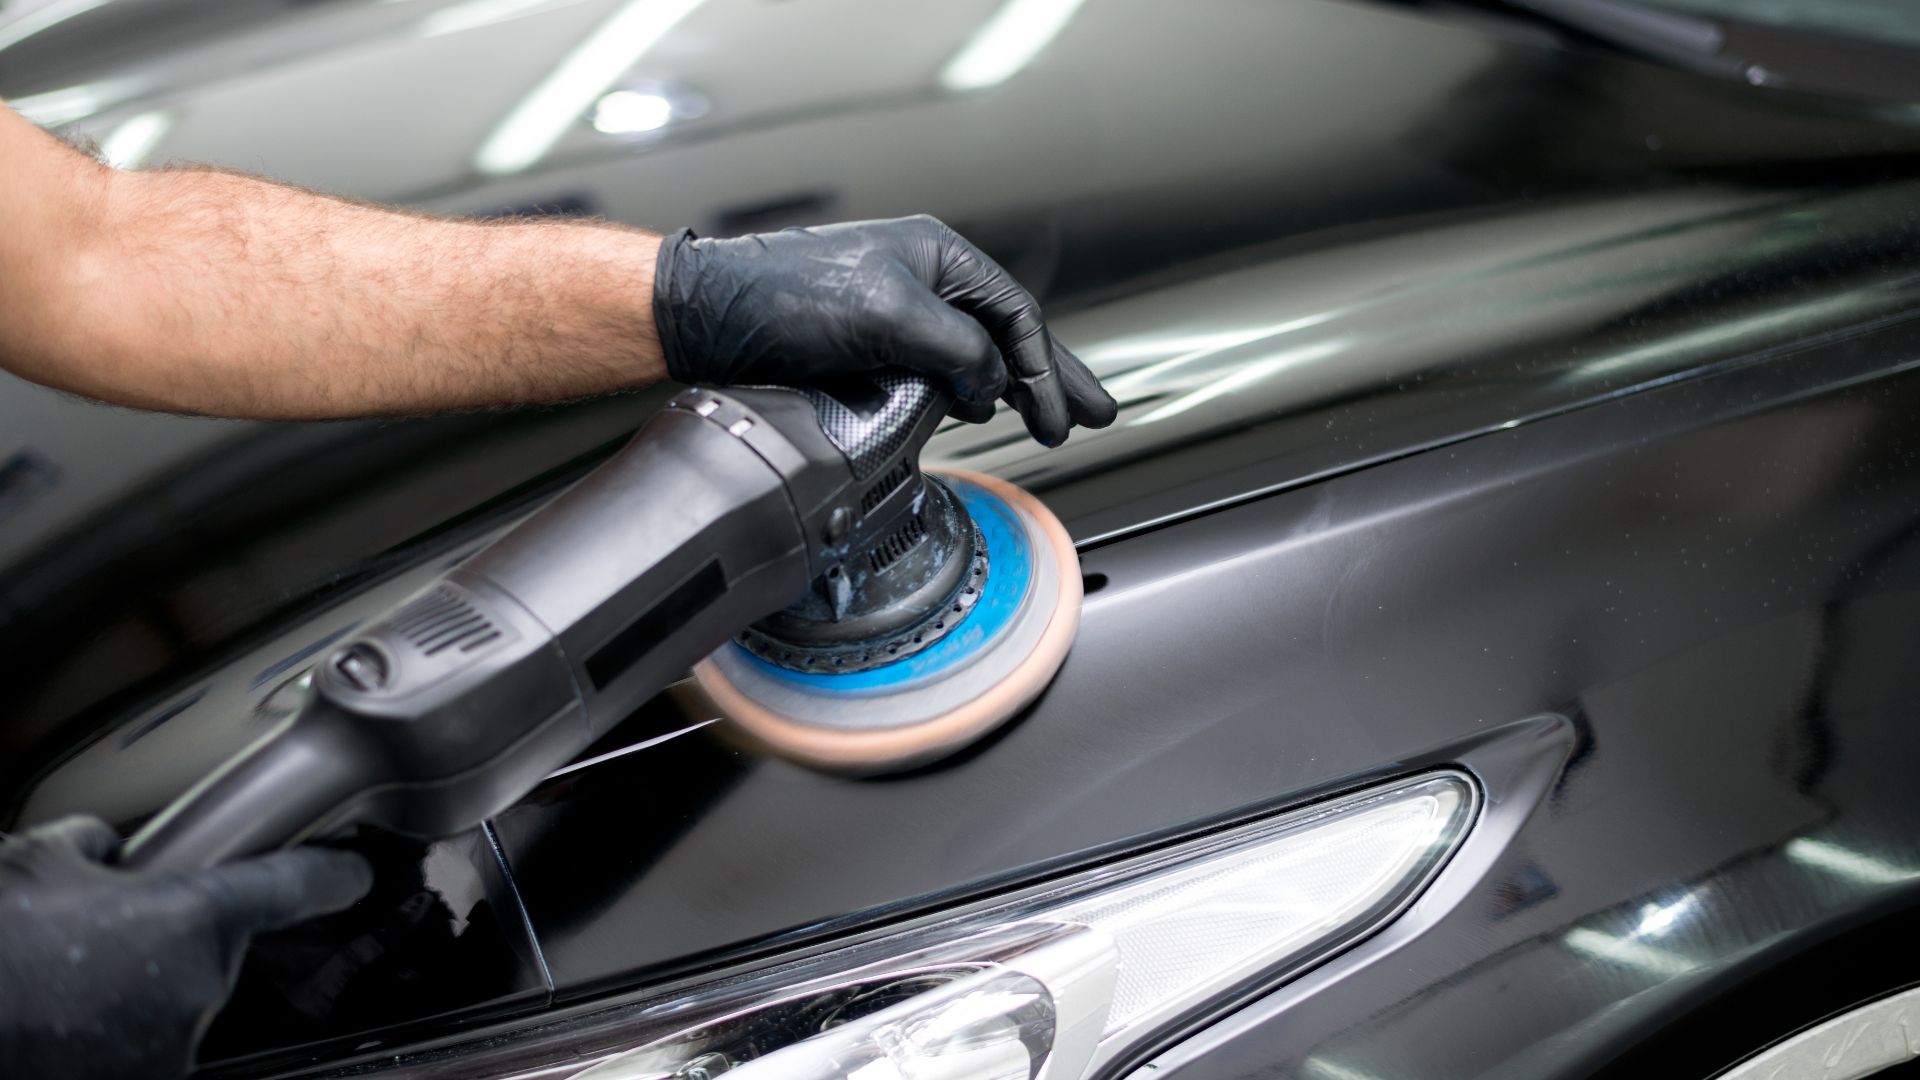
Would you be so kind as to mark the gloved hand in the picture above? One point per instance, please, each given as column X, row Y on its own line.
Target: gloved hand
column 805, row 303
column 112, row 973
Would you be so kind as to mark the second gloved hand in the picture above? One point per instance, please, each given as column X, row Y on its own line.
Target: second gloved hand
column 112, row 973
column 811, row 303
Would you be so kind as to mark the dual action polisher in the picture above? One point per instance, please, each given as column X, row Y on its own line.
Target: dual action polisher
column 844, row 608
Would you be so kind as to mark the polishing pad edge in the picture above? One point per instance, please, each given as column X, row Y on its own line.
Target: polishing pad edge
column 890, row 749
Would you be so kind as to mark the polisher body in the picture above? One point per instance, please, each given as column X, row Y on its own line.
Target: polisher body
column 801, row 513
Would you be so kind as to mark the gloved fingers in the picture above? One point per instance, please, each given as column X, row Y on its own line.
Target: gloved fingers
column 936, row 340
column 1013, row 318
column 1043, row 405
column 280, row 889
column 1035, row 391
column 1088, row 402
column 82, row 835
column 977, row 285
column 972, row 412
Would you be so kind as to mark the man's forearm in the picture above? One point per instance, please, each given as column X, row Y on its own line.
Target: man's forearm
column 204, row 291
column 207, row 292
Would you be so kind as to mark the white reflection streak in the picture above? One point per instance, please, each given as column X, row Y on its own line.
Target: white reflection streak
column 1635, row 954
column 1178, row 348
column 1322, row 1069
column 474, row 14
column 1007, row 42
column 1845, row 862
column 1189, row 348
column 626, row 112
column 1719, row 335
column 127, row 146
column 585, row 73
column 42, row 18
column 57, row 107
column 958, row 1020
column 1656, row 919
column 1245, row 376
column 625, row 750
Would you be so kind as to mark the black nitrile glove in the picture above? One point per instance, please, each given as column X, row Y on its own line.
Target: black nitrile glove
column 806, row 303
column 112, row 973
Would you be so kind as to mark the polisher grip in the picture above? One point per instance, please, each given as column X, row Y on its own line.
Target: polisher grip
column 276, row 791
column 457, row 702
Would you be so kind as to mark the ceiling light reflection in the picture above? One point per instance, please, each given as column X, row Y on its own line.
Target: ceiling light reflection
column 56, row 107
column 1125, row 349
column 32, row 22
column 474, row 14
column 1661, row 963
column 1190, row 348
column 127, row 146
column 1244, row 376
column 1723, row 335
column 1007, row 42
column 582, row 76
column 1318, row 1068
column 627, row 112
column 1657, row 919
column 1846, row 862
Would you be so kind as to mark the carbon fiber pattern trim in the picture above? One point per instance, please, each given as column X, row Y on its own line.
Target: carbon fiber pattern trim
column 869, row 441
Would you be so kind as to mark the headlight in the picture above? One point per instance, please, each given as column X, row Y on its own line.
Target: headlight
column 1053, row 985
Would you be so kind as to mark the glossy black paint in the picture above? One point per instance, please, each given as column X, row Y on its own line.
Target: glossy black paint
column 1731, row 648
column 1465, row 379
column 1712, row 584
column 442, row 935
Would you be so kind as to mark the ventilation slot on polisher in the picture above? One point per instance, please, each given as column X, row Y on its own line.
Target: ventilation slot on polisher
column 884, row 487
column 899, row 543
column 441, row 620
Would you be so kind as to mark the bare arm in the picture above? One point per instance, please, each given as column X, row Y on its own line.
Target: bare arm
column 206, row 292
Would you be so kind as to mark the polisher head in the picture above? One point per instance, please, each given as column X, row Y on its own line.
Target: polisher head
column 987, row 649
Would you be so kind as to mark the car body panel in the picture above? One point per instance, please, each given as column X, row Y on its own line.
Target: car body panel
column 1404, row 606
column 1466, row 379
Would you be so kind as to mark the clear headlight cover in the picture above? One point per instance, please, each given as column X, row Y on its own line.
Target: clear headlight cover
column 1053, row 985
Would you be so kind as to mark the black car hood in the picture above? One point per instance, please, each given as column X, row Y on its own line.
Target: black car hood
column 1299, row 239
column 1296, row 238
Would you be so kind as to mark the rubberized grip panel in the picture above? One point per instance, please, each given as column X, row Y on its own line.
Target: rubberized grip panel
column 645, row 633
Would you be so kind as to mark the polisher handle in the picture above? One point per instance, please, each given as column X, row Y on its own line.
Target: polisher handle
column 278, row 790
column 456, row 703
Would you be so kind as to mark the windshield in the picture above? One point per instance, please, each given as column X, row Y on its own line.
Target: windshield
column 1892, row 21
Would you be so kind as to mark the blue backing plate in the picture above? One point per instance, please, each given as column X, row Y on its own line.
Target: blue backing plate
column 1009, row 573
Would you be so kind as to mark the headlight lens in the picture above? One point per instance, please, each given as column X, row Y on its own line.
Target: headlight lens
column 1052, row 985
column 1226, row 916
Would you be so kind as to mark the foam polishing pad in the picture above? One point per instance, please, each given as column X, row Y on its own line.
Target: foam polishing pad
column 935, row 701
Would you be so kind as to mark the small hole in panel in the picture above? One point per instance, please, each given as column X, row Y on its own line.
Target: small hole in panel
column 1093, row 583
